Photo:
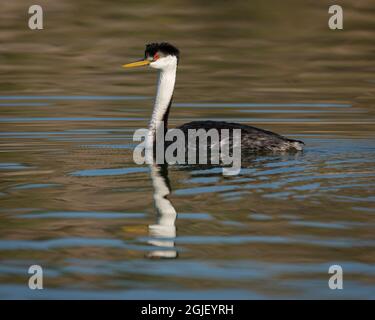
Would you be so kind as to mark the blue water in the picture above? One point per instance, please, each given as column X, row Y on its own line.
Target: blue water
column 73, row 200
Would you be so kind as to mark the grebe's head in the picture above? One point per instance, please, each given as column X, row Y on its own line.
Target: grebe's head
column 159, row 56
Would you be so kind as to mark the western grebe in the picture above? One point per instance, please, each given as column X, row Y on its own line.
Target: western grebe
column 165, row 57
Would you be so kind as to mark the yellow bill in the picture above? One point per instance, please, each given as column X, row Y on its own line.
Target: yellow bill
column 136, row 64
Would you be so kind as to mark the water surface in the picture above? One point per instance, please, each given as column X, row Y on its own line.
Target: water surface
column 74, row 202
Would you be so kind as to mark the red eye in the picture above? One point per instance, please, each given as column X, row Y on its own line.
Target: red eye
column 156, row 56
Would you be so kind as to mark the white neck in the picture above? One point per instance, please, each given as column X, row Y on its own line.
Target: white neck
column 165, row 87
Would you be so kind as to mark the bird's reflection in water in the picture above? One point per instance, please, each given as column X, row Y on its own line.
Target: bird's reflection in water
column 163, row 233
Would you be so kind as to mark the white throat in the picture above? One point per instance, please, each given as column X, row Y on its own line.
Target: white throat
column 164, row 93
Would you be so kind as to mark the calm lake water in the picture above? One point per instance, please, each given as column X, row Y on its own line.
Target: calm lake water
column 73, row 201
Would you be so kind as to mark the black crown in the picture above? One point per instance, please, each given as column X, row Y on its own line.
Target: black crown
column 163, row 47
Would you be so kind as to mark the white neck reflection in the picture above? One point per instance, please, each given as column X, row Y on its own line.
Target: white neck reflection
column 164, row 231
